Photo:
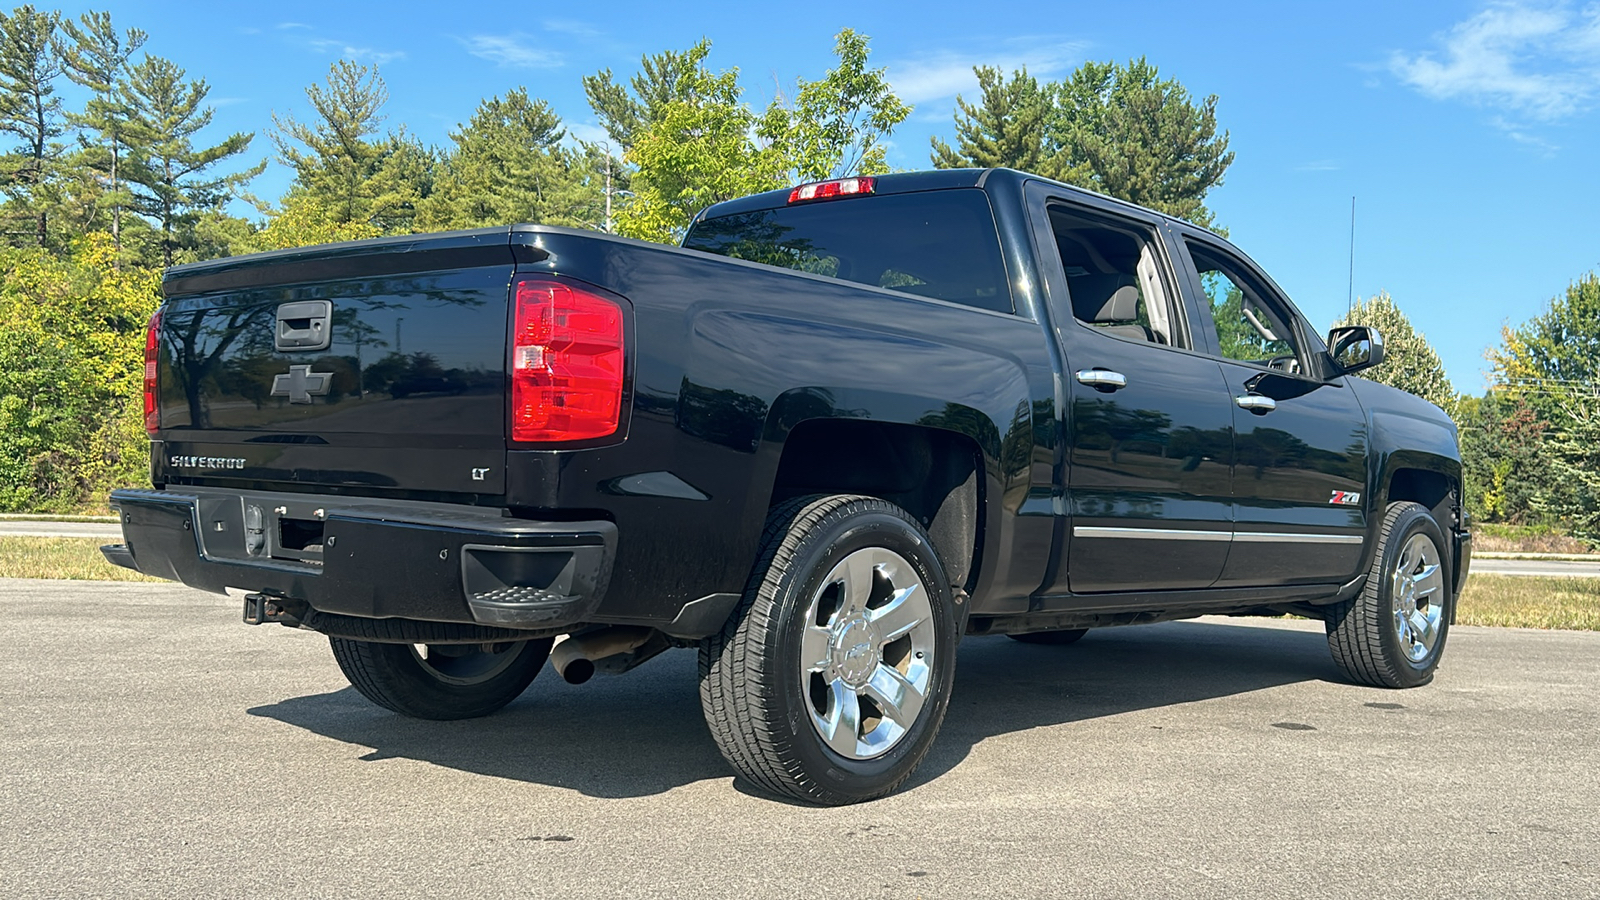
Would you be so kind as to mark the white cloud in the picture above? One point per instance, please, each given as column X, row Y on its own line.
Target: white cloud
column 512, row 51
column 1541, row 61
column 945, row 73
column 358, row 54
column 1520, row 135
column 587, row 131
column 572, row 27
column 1320, row 165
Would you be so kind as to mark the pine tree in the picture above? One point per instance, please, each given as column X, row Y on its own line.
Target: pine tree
column 97, row 59
column 1127, row 132
column 1409, row 362
column 342, row 164
column 171, row 181
column 508, row 165
column 1005, row 128
column 30, row 111
column 1121, row 130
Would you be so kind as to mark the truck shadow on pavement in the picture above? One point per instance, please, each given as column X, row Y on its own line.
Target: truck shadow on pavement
column 643, row 733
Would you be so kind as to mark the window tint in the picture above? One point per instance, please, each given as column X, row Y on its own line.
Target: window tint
column 1250, row 328
column 939, row 244
column 1114, row 278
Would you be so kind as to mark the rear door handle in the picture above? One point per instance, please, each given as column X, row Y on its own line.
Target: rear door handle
column 303, row 325
column 1102, row 379
column 1256, row 403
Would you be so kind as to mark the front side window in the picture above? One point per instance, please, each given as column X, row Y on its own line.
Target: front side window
column 1114, row 278
column 1250, row 327
column 939, row 244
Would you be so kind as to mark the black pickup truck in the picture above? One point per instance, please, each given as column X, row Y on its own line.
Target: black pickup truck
column 838, row 429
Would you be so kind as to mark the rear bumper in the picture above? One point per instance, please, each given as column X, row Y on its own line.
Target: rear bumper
column 371, row 558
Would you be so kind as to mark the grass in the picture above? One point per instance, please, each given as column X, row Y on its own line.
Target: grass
column 78, row 559
column 1517, row 602
column 1498, row 600
column 1524, row 539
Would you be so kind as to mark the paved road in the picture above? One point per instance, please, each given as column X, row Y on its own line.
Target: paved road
column 25, row 528
column 154, row 746
column 1550, row 568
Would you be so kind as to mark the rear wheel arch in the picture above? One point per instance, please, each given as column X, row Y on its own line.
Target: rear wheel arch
column 934, row 474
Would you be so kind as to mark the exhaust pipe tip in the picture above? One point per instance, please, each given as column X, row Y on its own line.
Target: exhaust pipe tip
column 574, row 657
column 578, row 671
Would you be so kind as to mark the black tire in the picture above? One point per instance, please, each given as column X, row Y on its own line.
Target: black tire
column 759, row 701
column 1365, row 633
column 1058, row 638
column 454, row 681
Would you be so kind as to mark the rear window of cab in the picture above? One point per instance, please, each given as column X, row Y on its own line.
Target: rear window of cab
column 939, row 244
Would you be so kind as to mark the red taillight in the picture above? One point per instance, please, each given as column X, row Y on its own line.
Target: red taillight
column 566, row 363
column 152, row 416
column 827, row 190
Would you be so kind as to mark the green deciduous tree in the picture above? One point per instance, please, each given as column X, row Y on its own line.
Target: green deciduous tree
column 1554, row 358
column 1503, row 457
column 1410, row 362
column 693, row 153
column 1122, row 130
column 693, row 141
column 837, row 124
column 172, row 181
column 1550, row 365
column 624, row 110
column 71, row 374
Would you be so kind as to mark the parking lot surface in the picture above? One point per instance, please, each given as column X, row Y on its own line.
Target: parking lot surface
column 154, row 746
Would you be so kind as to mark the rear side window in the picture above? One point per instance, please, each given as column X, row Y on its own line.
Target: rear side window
column 940, row 244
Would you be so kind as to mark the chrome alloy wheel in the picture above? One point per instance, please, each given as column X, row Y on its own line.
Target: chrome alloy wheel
column 1417, row 586
column 467, row 664
column 866, row 654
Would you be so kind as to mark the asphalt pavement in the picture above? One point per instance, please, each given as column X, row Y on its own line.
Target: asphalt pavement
column 1547, row 568
column 28, row 528
column 155, row 746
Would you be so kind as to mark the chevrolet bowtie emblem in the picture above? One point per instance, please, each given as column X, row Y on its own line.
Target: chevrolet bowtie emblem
column 301, row 384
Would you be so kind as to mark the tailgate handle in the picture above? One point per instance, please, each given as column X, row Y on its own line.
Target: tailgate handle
column 304, row 325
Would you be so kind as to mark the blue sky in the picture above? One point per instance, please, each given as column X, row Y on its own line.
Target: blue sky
column 1466, row 130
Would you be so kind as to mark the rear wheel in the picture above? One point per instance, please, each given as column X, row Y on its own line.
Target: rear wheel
column 1058, row 638
column 441, row 681
column 1392, row 634
column 830, row 681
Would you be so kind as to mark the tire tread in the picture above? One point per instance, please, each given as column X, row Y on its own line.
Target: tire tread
column 740, row 705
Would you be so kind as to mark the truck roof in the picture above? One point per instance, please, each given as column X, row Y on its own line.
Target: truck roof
column 930, row 180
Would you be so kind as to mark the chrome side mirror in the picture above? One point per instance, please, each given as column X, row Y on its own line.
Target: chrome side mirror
column 1355, row 347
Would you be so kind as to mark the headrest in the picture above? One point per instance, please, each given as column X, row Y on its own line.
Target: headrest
column 1104, row 298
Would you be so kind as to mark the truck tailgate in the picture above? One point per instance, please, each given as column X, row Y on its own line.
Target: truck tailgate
column 361, row 367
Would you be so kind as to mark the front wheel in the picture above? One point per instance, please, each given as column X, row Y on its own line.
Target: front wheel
column 1392, row 634
column 830, row 681
column 441, row 681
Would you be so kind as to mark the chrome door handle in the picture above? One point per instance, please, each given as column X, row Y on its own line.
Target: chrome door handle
column 1256, row 403
column 1102, row 379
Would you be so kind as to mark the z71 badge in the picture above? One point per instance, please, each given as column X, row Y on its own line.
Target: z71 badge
column 1346, row 498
